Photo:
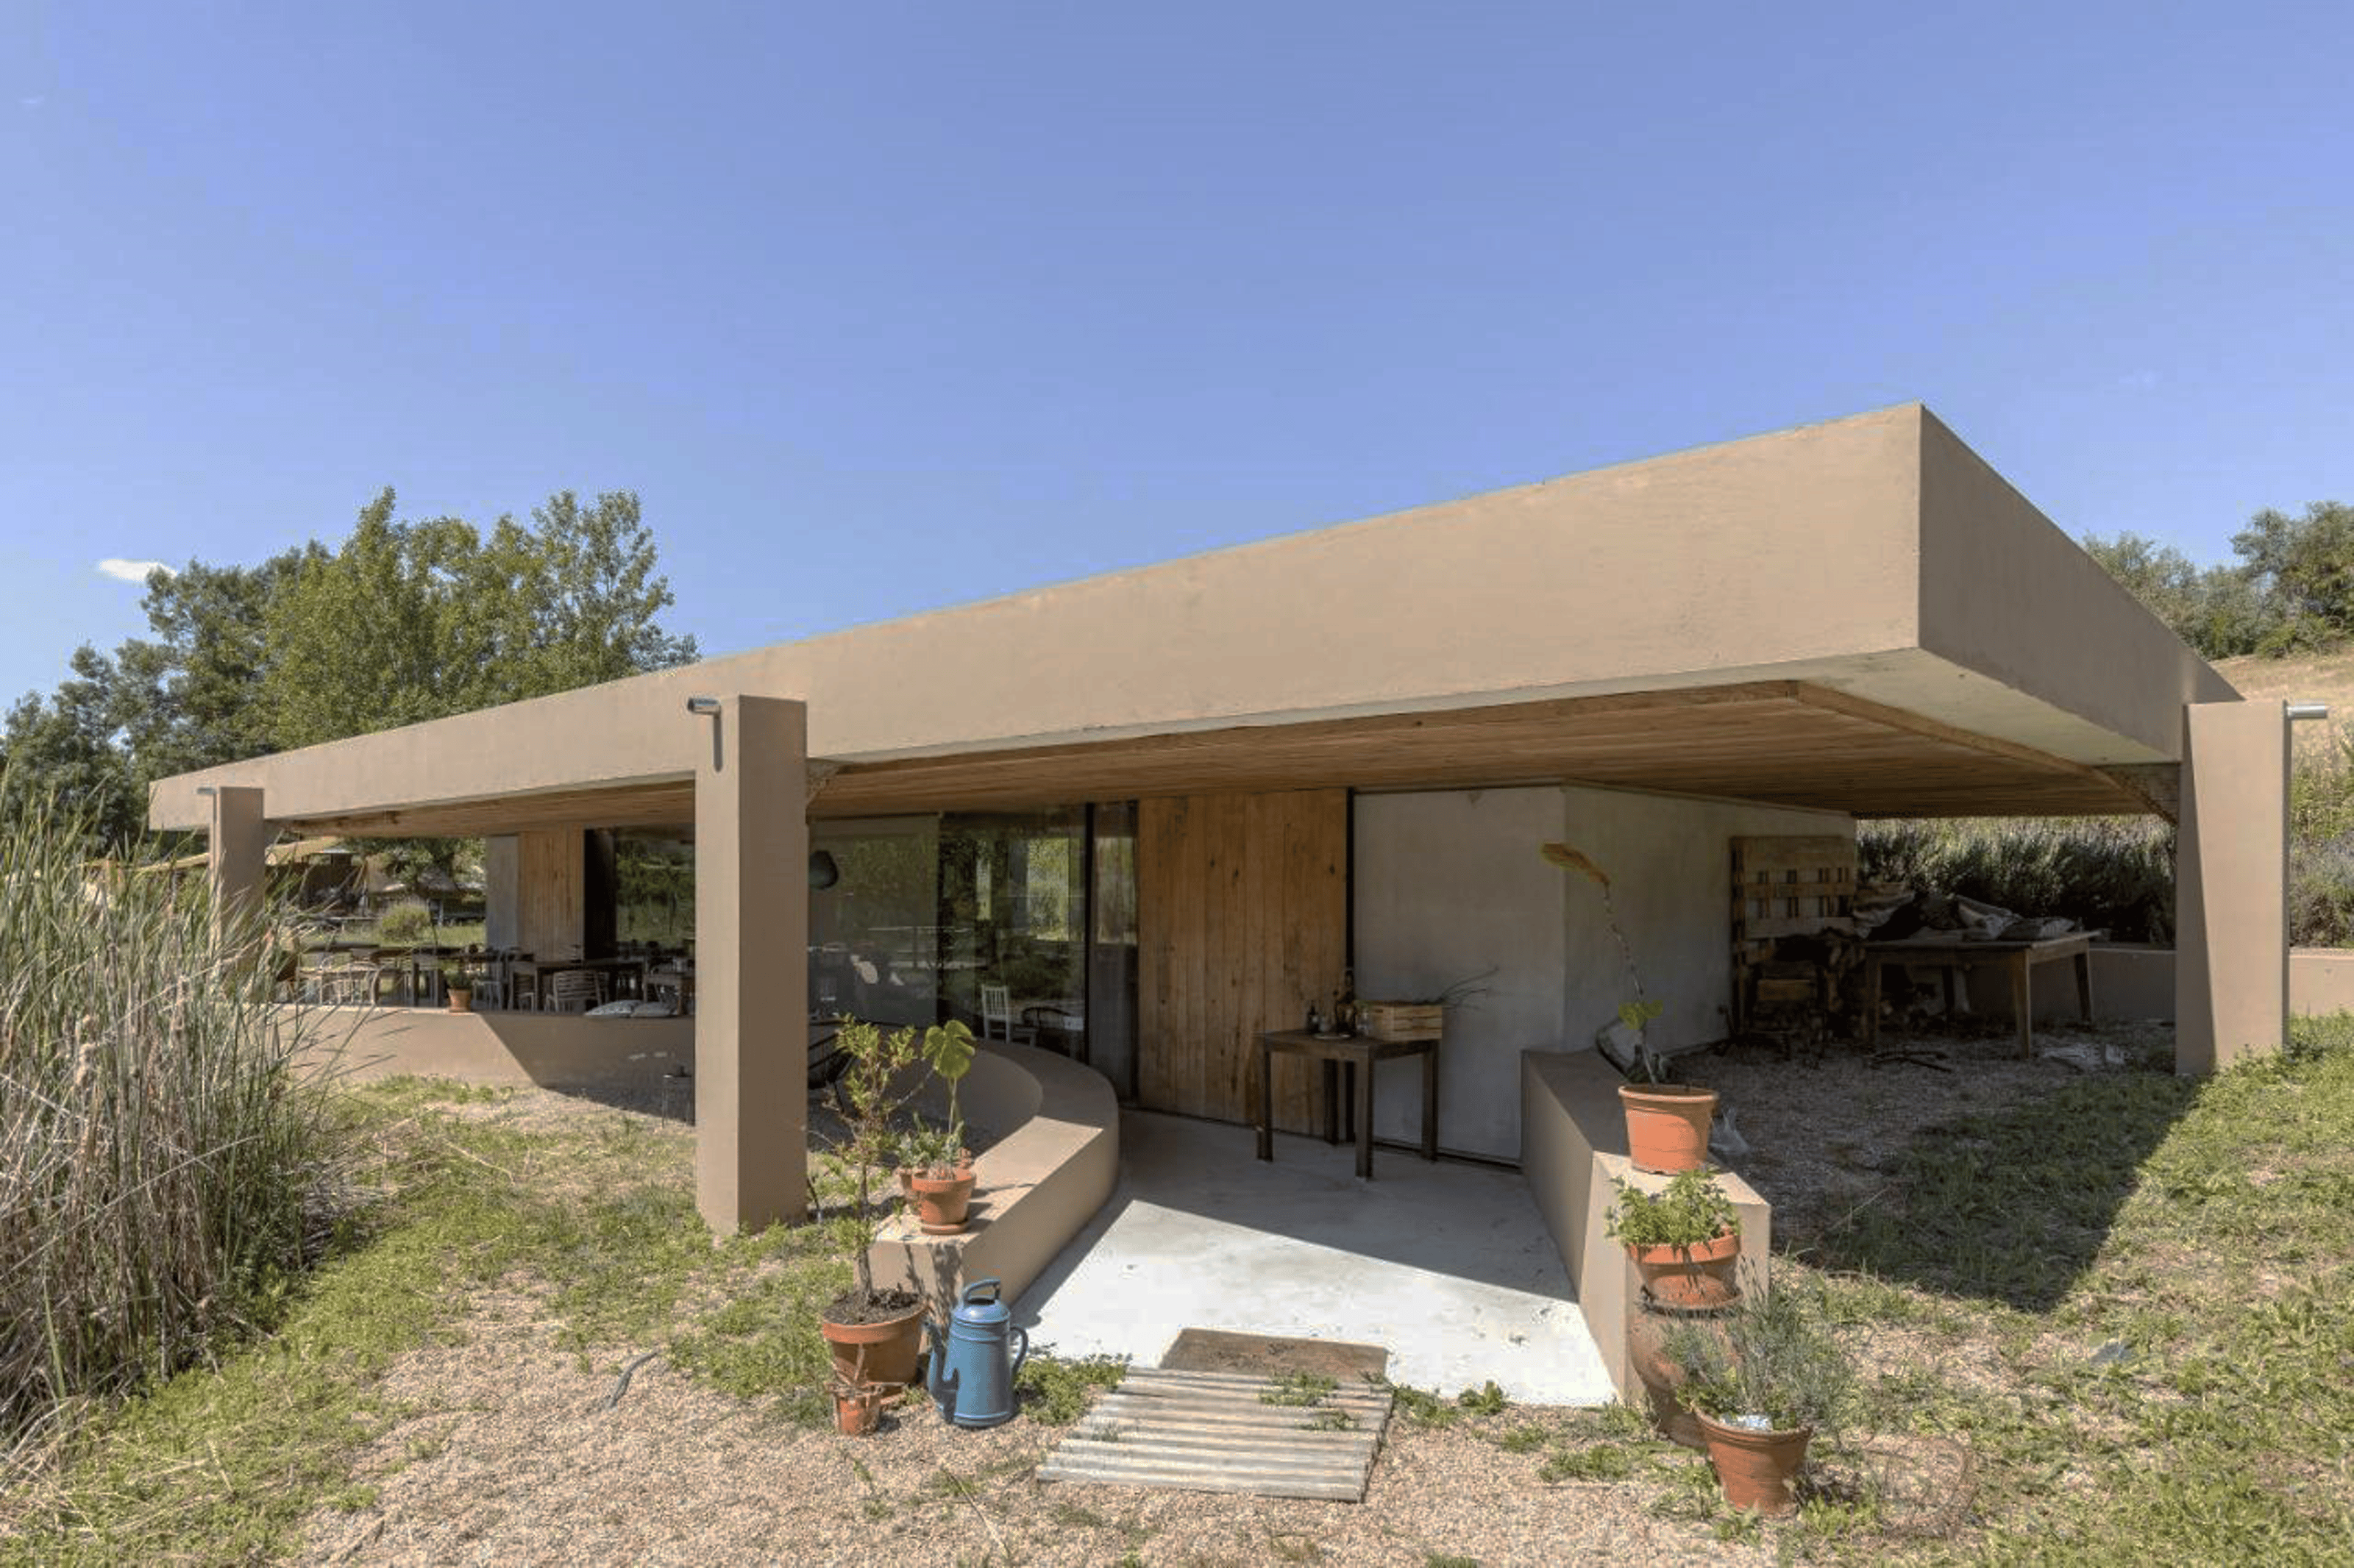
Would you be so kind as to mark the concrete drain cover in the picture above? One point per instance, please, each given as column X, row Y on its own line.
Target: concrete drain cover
column 1212, row 1431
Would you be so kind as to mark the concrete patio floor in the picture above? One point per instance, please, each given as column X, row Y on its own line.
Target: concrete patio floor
column 1447, row 1267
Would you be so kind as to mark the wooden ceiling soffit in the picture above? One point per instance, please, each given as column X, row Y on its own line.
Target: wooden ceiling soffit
column 1781, row 742
column 1776, row 741
column 657, row 805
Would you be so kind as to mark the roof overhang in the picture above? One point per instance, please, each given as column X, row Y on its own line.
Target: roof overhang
column 1859, row 616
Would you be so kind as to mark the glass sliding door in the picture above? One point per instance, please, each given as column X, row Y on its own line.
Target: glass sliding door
column 875, row 940
column 1012, row 924
column 1111, row 950
column 1021, row 924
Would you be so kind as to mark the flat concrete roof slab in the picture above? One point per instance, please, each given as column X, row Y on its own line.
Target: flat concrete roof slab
column 1448, row 1266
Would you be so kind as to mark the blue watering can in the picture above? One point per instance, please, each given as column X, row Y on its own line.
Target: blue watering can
column 973, row 1379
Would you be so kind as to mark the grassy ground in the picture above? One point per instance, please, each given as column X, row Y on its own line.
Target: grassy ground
column 2122, row 1316
column 2135, row 1303
column 222, row 1466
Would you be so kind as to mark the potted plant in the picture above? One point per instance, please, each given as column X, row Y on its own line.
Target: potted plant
column 457, row 981
column 1684, row 1240
column 1762, row 1383
column 878, row 1335
column 938, row 1177
column 1667, row 1124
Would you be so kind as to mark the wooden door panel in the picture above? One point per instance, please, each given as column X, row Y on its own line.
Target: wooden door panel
column 1242, row 915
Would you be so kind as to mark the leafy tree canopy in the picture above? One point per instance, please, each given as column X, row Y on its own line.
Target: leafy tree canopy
column 402, row 621
column 2292, row 588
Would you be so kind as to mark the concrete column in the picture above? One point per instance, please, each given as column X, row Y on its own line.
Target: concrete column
column 501, row 891
column 752, row 963
column 2231, row 885
column 238, row 865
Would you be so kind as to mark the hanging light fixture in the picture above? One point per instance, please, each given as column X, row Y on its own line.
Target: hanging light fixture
column 824, row 871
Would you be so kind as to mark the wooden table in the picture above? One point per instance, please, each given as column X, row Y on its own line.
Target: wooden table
column 1357, row 1053
column 1947, row 954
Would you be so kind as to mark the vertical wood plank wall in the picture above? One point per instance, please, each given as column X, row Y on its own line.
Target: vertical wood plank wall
column 550, row 894
column 1242, row 917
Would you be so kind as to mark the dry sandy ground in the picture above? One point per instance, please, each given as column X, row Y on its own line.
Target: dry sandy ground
column 507, row 1458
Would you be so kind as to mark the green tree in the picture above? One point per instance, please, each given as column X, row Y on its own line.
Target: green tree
column 2304, row 567
column 2219, row 610
column 65, row 748
column 407, row 622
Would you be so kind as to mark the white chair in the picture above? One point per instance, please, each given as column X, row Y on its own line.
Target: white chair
column 576, row 990
column 997, row 1013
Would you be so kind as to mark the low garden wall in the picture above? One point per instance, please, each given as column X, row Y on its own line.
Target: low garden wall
column 2132, row 982
column 1572, row 1150
column 1036, row 1187
column 552, row 1049
column 1055, row 1163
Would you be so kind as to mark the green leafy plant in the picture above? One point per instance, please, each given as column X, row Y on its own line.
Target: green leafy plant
column 877, row 1084
column 1301, row 1389
column 459, row 977
column 1488, row 1399
column 1776, row 1360
column 1690, row 1210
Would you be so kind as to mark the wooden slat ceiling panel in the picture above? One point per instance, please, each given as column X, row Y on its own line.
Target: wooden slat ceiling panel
column 1782, row 743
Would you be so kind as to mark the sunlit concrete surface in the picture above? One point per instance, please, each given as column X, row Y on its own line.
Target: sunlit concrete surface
column 1447, row 1267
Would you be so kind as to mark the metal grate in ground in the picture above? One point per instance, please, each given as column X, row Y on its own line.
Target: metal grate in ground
column 1211, row 1432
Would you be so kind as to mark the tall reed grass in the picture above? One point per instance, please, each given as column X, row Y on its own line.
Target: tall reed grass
column 165, row 1169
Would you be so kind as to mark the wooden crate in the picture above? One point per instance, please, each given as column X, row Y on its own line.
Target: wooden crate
column 1400, row 1020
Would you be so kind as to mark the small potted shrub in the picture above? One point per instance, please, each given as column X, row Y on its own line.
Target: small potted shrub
column 1667, row 1124
column 877, row 1336
column 938, row 1177
column 1762, row 1382
column 457, row 981
column 1685, row 1240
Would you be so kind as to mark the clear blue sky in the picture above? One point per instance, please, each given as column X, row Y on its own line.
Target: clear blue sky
column 881, row 307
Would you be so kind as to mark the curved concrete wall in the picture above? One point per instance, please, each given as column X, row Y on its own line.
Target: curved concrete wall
column 1037, row 1186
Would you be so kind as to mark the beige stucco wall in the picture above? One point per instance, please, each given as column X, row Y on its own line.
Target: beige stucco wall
column 1804, row 554
column 2006, row 593
column 633, row 1056
column 1572, row 1154
column 1448, row 885
column 2231, row 885
column 2320, row 981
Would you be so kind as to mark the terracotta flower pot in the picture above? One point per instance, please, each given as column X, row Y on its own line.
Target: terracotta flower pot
column 858, row 1413
column 1646, row 1357
column 941, row 1202
column 1756, row 1469
column 1702, row 1276
column 1667, row 1125
column 460, row 1000
column 890, row 1352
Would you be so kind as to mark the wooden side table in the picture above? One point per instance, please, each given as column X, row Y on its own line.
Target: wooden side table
column 1357, row 1053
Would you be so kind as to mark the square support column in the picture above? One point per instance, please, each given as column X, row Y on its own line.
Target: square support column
column 752, row 963
column 238, row 864
column 2231, row 885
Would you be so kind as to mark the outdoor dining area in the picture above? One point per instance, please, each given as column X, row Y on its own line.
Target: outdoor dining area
column 642, row 980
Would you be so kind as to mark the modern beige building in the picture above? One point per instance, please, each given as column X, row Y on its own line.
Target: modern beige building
column 1164, row 808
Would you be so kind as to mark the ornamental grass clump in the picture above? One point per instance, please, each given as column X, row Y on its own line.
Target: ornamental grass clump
column 167, row 1170
column 1770, row 1362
